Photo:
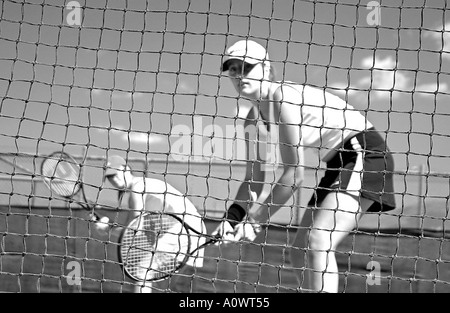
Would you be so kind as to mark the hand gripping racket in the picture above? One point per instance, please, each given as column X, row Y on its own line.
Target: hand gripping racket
column 63, row 176
column 156, row 245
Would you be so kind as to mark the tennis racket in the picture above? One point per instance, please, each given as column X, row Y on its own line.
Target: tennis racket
column 156, row 245
column 63, row 176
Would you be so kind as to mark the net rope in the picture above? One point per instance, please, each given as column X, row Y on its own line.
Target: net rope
column 142, row 79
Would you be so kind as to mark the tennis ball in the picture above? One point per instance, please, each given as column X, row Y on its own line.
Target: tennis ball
column 104, row 220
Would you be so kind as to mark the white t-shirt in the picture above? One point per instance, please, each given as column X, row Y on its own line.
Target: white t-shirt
column 161, row 196
column 326, row 120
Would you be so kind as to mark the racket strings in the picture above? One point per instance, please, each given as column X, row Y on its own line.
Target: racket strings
column 61, row 175
column 154, row 246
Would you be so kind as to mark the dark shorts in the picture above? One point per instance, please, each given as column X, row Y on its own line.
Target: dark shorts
column 363, row 167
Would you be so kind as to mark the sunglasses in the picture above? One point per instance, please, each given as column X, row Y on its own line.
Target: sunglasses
column 241, row 68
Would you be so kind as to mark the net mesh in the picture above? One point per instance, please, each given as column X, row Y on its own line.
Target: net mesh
column 142, row 79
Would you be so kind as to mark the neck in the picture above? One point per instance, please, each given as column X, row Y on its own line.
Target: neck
column 263, row 104
column 265, row 90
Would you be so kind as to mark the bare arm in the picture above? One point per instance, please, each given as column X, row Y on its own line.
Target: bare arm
column 254, row 173
column 289, row 135
column 253, row 181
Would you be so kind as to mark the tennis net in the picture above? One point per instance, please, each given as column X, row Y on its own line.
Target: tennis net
column 142, row 79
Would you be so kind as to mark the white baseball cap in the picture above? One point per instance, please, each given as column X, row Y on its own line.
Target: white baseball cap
column 246, row 50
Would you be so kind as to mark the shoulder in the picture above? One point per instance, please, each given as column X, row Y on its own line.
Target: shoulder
column 147, row 185
column 138, row 185
column 287, row 92
column 277, row 89
column 311, row 96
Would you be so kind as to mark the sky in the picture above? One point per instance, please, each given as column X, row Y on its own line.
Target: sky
column 136, row 77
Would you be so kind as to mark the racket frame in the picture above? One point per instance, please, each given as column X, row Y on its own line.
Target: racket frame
column 188, row 254
column 61, row 156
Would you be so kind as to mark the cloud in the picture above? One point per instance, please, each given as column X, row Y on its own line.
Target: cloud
column 142, row 138
column 429, row 89
column 116, row 130
column 124, row 138
column 117, row 94
column 96, row 91
column 442, row 37
column 342, row 89
column 446, row 38
column 185, row 87
column 383, row 78
column 385, row 64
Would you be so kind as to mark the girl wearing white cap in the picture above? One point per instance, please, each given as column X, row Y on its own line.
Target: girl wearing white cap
column 359, row 166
